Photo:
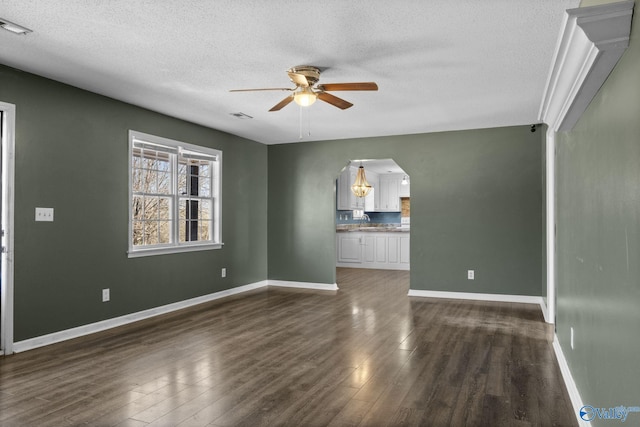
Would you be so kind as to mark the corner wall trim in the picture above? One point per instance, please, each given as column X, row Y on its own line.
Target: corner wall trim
column 572, row 389
column 304, row 285
column 524, row 299
column 32, row 343
column 591, row 42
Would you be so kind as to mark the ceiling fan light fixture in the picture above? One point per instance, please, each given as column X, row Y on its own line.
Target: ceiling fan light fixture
column 305, row 97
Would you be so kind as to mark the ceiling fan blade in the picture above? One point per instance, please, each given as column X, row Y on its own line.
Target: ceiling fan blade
column 298, row 79
column 348, row 86
column 255, row 90
column 282, row 103
column 334, row 100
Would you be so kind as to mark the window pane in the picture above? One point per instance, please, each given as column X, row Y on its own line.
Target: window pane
column 164, row 232
column 182, row 209
column 205, row 187
column 164, row 208
column 164, row 165
column 182, row 236
column 164, row 183
column 205, row 210
column 151, row 233
column 138, row 233
column 136, row 207
column 151, row 182
column 151, row 208
column 136, row 180
column 149, row 161
column 204, row 230
column 182, row 184
column 205, row 169
column 136, row 159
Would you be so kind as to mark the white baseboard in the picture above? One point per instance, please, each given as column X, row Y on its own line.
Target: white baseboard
column 67, row 334
column 526, row 299
column 103, row 325
column 523, row 299
column 574, row 394
column 304, row 285
column 545, row 311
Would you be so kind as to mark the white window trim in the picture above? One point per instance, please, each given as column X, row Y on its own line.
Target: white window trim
column 217, row 205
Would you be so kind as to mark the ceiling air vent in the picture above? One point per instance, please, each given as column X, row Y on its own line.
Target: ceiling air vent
column 14, row 28
column 241, row 116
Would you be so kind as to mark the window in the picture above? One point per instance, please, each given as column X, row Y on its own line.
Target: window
column 174, row 194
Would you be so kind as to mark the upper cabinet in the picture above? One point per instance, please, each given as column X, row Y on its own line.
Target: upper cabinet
column 346, row 199
column 384, row 196
column 389, row 194
column 405, row 189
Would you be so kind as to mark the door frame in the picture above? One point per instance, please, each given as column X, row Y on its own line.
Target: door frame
column 8, row 199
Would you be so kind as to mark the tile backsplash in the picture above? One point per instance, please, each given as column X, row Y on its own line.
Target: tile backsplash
column 346, row 217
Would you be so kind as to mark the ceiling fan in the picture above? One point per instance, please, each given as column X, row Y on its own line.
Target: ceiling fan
column 306, row 91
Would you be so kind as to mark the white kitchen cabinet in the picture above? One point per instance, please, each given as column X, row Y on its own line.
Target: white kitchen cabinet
column 373, row 249
column 368, row 248
column 346, row 200
column 404, row 190
column 389, row 193
column 349, row 248
column 404, row 249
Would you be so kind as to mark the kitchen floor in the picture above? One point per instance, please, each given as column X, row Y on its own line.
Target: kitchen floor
column 365, row 355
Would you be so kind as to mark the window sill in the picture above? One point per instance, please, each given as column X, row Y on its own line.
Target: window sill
column 173, row 250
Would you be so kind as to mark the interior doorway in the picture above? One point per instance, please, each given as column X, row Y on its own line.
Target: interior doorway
column 373, row 230
column 7, row 164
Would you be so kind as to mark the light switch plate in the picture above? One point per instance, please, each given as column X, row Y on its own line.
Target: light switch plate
column 44, row 214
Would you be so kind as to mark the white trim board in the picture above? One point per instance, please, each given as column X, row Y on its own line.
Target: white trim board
column 572, row 389
column 8, row 203
column 524, row 299
column 56, row 337
column 590, row 44
column 304, row 285
column 103, row 325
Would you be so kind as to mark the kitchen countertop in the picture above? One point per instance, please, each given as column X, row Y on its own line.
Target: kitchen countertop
column 373, row 229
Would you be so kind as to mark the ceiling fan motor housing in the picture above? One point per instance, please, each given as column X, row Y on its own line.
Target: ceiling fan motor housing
column 311, row 73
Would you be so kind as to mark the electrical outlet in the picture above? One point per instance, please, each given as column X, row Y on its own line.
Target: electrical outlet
column 44, row 214
column 471, row 274
column 224, row 272
column 106, row 295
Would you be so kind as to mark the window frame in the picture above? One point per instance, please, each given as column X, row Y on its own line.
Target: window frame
column 175, row 246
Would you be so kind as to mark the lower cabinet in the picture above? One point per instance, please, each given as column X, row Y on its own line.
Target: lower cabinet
column 371, row 249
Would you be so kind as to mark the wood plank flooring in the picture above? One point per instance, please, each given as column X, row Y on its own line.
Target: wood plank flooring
column 366, row 355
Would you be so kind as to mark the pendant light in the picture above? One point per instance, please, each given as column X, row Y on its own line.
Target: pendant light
column 361, row 187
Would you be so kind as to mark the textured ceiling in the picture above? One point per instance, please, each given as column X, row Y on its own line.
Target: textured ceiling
column 440, row 65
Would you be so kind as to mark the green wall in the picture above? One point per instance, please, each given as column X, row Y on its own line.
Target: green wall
column 476, row 203
column 72, row 155
column 598, row 226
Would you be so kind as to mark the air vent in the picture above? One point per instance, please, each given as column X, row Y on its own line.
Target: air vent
column 14, row 28
column 241, row 116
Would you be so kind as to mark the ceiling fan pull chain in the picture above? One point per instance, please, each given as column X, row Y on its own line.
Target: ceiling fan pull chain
column 300, row 123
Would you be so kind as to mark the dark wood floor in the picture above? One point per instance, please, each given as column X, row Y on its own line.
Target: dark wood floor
column 367, row 355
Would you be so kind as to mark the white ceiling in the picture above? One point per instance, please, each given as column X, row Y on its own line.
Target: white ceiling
column 440, row 65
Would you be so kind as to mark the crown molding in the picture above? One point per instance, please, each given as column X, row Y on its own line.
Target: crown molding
column 591, row 42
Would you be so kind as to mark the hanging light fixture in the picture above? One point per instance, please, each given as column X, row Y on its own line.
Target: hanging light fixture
column 361, row 187
column 404, row 181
